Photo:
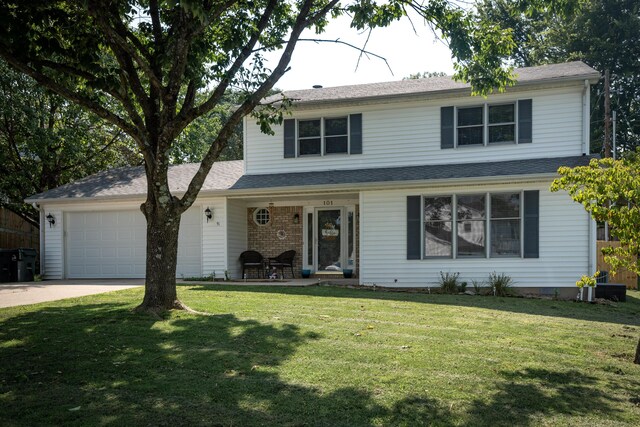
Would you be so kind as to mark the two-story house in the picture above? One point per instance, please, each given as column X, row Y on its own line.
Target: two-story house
column 395, row 181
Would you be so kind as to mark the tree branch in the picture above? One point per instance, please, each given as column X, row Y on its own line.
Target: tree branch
column 186, row 116
column 71, row 95
column 247, row 106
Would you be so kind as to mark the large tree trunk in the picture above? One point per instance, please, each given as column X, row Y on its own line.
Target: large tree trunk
column 163, row 225
column 637, row 359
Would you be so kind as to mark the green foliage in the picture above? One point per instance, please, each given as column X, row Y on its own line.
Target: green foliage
column 610, row 191
column 45, row 142
column 605, row 34
column 478, row 285
column 501, row 284
column 425, row 75
column 448, row 282
column 589, row 281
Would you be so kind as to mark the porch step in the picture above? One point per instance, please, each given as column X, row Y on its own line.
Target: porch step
column 328, row 275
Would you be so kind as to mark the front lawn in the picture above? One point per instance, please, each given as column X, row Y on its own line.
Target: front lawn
column 320, row 357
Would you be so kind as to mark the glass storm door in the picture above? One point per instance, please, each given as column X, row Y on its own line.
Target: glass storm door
column 329, row 240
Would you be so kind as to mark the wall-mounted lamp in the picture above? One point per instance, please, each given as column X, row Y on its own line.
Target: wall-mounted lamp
column 296, row 218
column 208, row 213
column 51, row 219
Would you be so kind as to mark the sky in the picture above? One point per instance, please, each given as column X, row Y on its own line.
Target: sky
column 330, row 64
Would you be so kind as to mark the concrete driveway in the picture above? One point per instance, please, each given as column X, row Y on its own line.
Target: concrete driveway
column 22, row 293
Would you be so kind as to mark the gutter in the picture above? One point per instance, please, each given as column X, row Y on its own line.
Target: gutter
column 591, row 78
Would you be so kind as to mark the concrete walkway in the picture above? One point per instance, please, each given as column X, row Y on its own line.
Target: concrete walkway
column 22, row 293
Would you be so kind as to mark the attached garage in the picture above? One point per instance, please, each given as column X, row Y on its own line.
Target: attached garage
column 112, row 244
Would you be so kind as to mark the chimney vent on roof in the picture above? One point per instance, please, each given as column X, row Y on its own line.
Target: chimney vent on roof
column 317, row 86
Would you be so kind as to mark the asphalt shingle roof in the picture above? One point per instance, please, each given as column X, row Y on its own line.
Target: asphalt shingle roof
column 131, row 181
column 566, row 71
column 409, row 173
column 227, row 177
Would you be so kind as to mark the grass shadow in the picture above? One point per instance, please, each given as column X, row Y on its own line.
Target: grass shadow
column 627, row 313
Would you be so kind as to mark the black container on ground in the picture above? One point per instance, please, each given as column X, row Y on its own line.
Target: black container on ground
column 612, row 291
column 8, row 265
column 26, row 264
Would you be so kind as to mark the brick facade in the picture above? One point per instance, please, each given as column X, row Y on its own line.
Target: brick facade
column 264, row 238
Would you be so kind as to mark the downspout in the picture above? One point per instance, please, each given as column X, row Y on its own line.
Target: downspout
column 586, row 106
column 42, row 236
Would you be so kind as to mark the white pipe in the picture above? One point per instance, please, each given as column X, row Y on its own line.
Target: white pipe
column 586, row 106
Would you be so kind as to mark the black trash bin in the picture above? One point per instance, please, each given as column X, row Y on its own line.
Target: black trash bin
column 8, row 265
column 26, row 264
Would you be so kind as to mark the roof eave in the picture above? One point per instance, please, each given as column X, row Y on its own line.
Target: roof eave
column 591, row 77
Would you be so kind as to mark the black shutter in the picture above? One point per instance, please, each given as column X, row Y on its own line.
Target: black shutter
column 414, row 227
column 355, row 129
column 524, row 121
column 446, row 127
column 289, row 138
column 531, row 224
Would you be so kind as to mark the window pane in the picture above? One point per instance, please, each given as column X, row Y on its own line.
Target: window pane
column 336, row 144
column 501, row 113
column 471, row 238
column 505, row 237
column 437, row 238
column 470, row 136
column 309, row 146
column 470, row 116
column 308, row 128
column 437, row 208
column 502, row 133
column 506, row 205
column 471, row 207
column 335, row 126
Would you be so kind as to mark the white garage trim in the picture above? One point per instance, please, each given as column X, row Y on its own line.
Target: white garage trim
column 112, row 244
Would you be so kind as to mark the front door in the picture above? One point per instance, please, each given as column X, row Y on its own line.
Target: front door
column 329, row 238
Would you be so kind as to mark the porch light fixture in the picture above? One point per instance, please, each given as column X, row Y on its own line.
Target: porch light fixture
column 208, row 213
column 296, row 218
column 51, row 219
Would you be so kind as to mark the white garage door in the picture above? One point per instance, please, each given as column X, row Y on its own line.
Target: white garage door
column 112, row 244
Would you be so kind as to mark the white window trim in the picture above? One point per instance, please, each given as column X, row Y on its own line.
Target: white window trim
column 485, row 124
column 255, row 217
column 323, row 145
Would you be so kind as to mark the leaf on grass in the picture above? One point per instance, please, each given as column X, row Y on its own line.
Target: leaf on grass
column 77, row 408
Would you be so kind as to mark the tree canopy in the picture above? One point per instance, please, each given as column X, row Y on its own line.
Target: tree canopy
column 153, row 67
column 46, row 141
column 605, row 34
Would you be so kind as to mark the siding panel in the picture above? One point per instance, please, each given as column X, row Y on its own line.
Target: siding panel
column 564, row 244
column 408, row 133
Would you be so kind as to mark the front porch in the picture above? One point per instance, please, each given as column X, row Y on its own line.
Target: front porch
column 322, row 229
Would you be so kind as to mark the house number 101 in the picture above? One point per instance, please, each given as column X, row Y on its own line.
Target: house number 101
column 328, row 203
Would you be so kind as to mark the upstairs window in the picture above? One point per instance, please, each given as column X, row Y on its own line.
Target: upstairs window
column 487, row 124
column 323, row 136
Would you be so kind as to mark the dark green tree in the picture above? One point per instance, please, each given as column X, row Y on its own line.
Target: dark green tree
column 46, row 141
column 605, row 34
column 140, row 65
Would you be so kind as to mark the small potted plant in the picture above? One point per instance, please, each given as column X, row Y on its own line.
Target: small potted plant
column 306, row 273
column 589, row 281
column 347, row 273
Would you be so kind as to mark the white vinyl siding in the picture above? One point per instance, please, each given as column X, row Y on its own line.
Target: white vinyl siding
column 408, row 133
column 564, row 243
column 237, row 235
column 53, row 246
column 214, row 238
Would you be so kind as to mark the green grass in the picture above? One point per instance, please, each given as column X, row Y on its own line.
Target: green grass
column 320, row 356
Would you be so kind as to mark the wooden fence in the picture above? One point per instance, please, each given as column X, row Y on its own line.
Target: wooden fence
column 15, row 232
column 629, row 278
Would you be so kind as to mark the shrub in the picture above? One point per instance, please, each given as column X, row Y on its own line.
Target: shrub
column 449, row 282
column 462, row 287
column 477, row 286
column 500, row 284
